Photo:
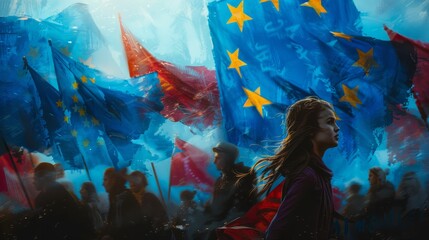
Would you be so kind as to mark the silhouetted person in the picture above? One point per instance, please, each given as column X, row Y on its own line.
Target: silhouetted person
column 60, row 216
column 411, row 215
column 381, row 193
column 124, row 219
column 355, row 202
column 154, row 214
column 187, row 215
column 232, row 195
column 90, row 202
column 233, row 191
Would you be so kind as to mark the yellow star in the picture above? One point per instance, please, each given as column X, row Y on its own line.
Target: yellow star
column 342, row 35
column 238, row 16
column 75, row 85
column 275, row 3
column 34, row 52
column 81, row 112
column 255, row 99
column 65, row 51
column 366, row 60
column 84, row 79
column 351, row 96
column 74, row 133
column 59, row 103
column 95, row 121
column 92, row 80
column 316, row 5
column 85, row 143
column 235, row 61
column 75, row 98
column 66, row 119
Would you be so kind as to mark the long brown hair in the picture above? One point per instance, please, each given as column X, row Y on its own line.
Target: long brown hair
column 294, row 152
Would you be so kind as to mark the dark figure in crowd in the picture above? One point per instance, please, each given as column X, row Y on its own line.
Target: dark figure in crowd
column 355, row 201
column 378, row 217
column 233, row 195
column 411, row 196
column 154, row 214
column 124, row 219
column 306, row 211
column 60, row 215
column 381, row 193
column 184, row 220
column 91, row 204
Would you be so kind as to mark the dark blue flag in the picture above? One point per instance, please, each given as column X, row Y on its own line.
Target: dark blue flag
column 122, row 113
column 63, row 144
column 21, row 121
column 86, row 128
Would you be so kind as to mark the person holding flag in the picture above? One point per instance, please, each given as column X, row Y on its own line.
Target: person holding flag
column 232, row 194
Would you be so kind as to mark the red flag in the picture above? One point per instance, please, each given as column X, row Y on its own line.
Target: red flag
column 9, row 182
column 407, row 139
column 189, row 167
column 421, row 74
column 190, row 93
column 255, row 222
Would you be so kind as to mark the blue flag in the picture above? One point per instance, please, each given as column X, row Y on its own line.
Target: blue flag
column 21, row 121
column 86, row 128
column 123, row 113
column 62, row 143
column 269, row 54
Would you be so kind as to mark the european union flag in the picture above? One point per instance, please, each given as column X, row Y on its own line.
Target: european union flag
column 21, row 121
column 86, row 128
column 64, row 148
column 122, row 113
column 50, row 101
column 269, row 54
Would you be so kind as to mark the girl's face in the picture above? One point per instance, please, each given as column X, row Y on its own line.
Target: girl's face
column 327, row 135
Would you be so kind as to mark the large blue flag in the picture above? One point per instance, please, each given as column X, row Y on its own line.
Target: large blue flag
column 269, row 54
column 63, row 144
column 88, row 131
column 24, row 36
column 124, row 114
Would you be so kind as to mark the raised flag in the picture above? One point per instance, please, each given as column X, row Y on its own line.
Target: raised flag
column 63, row 145
column 265, row 52
column 189, row 167
column 86, row 128
column 421, row 75
column 22, row 124
column 190, row 93
column 16, row 166
column 123, row 113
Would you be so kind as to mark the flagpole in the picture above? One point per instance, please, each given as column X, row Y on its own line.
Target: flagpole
column 17, row 172
column 86, row 167
column 169, row 181
column 157, row 183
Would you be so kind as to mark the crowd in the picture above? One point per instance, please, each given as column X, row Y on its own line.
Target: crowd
column 307, row 208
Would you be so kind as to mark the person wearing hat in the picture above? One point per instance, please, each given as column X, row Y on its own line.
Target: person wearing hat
column 232, row 195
